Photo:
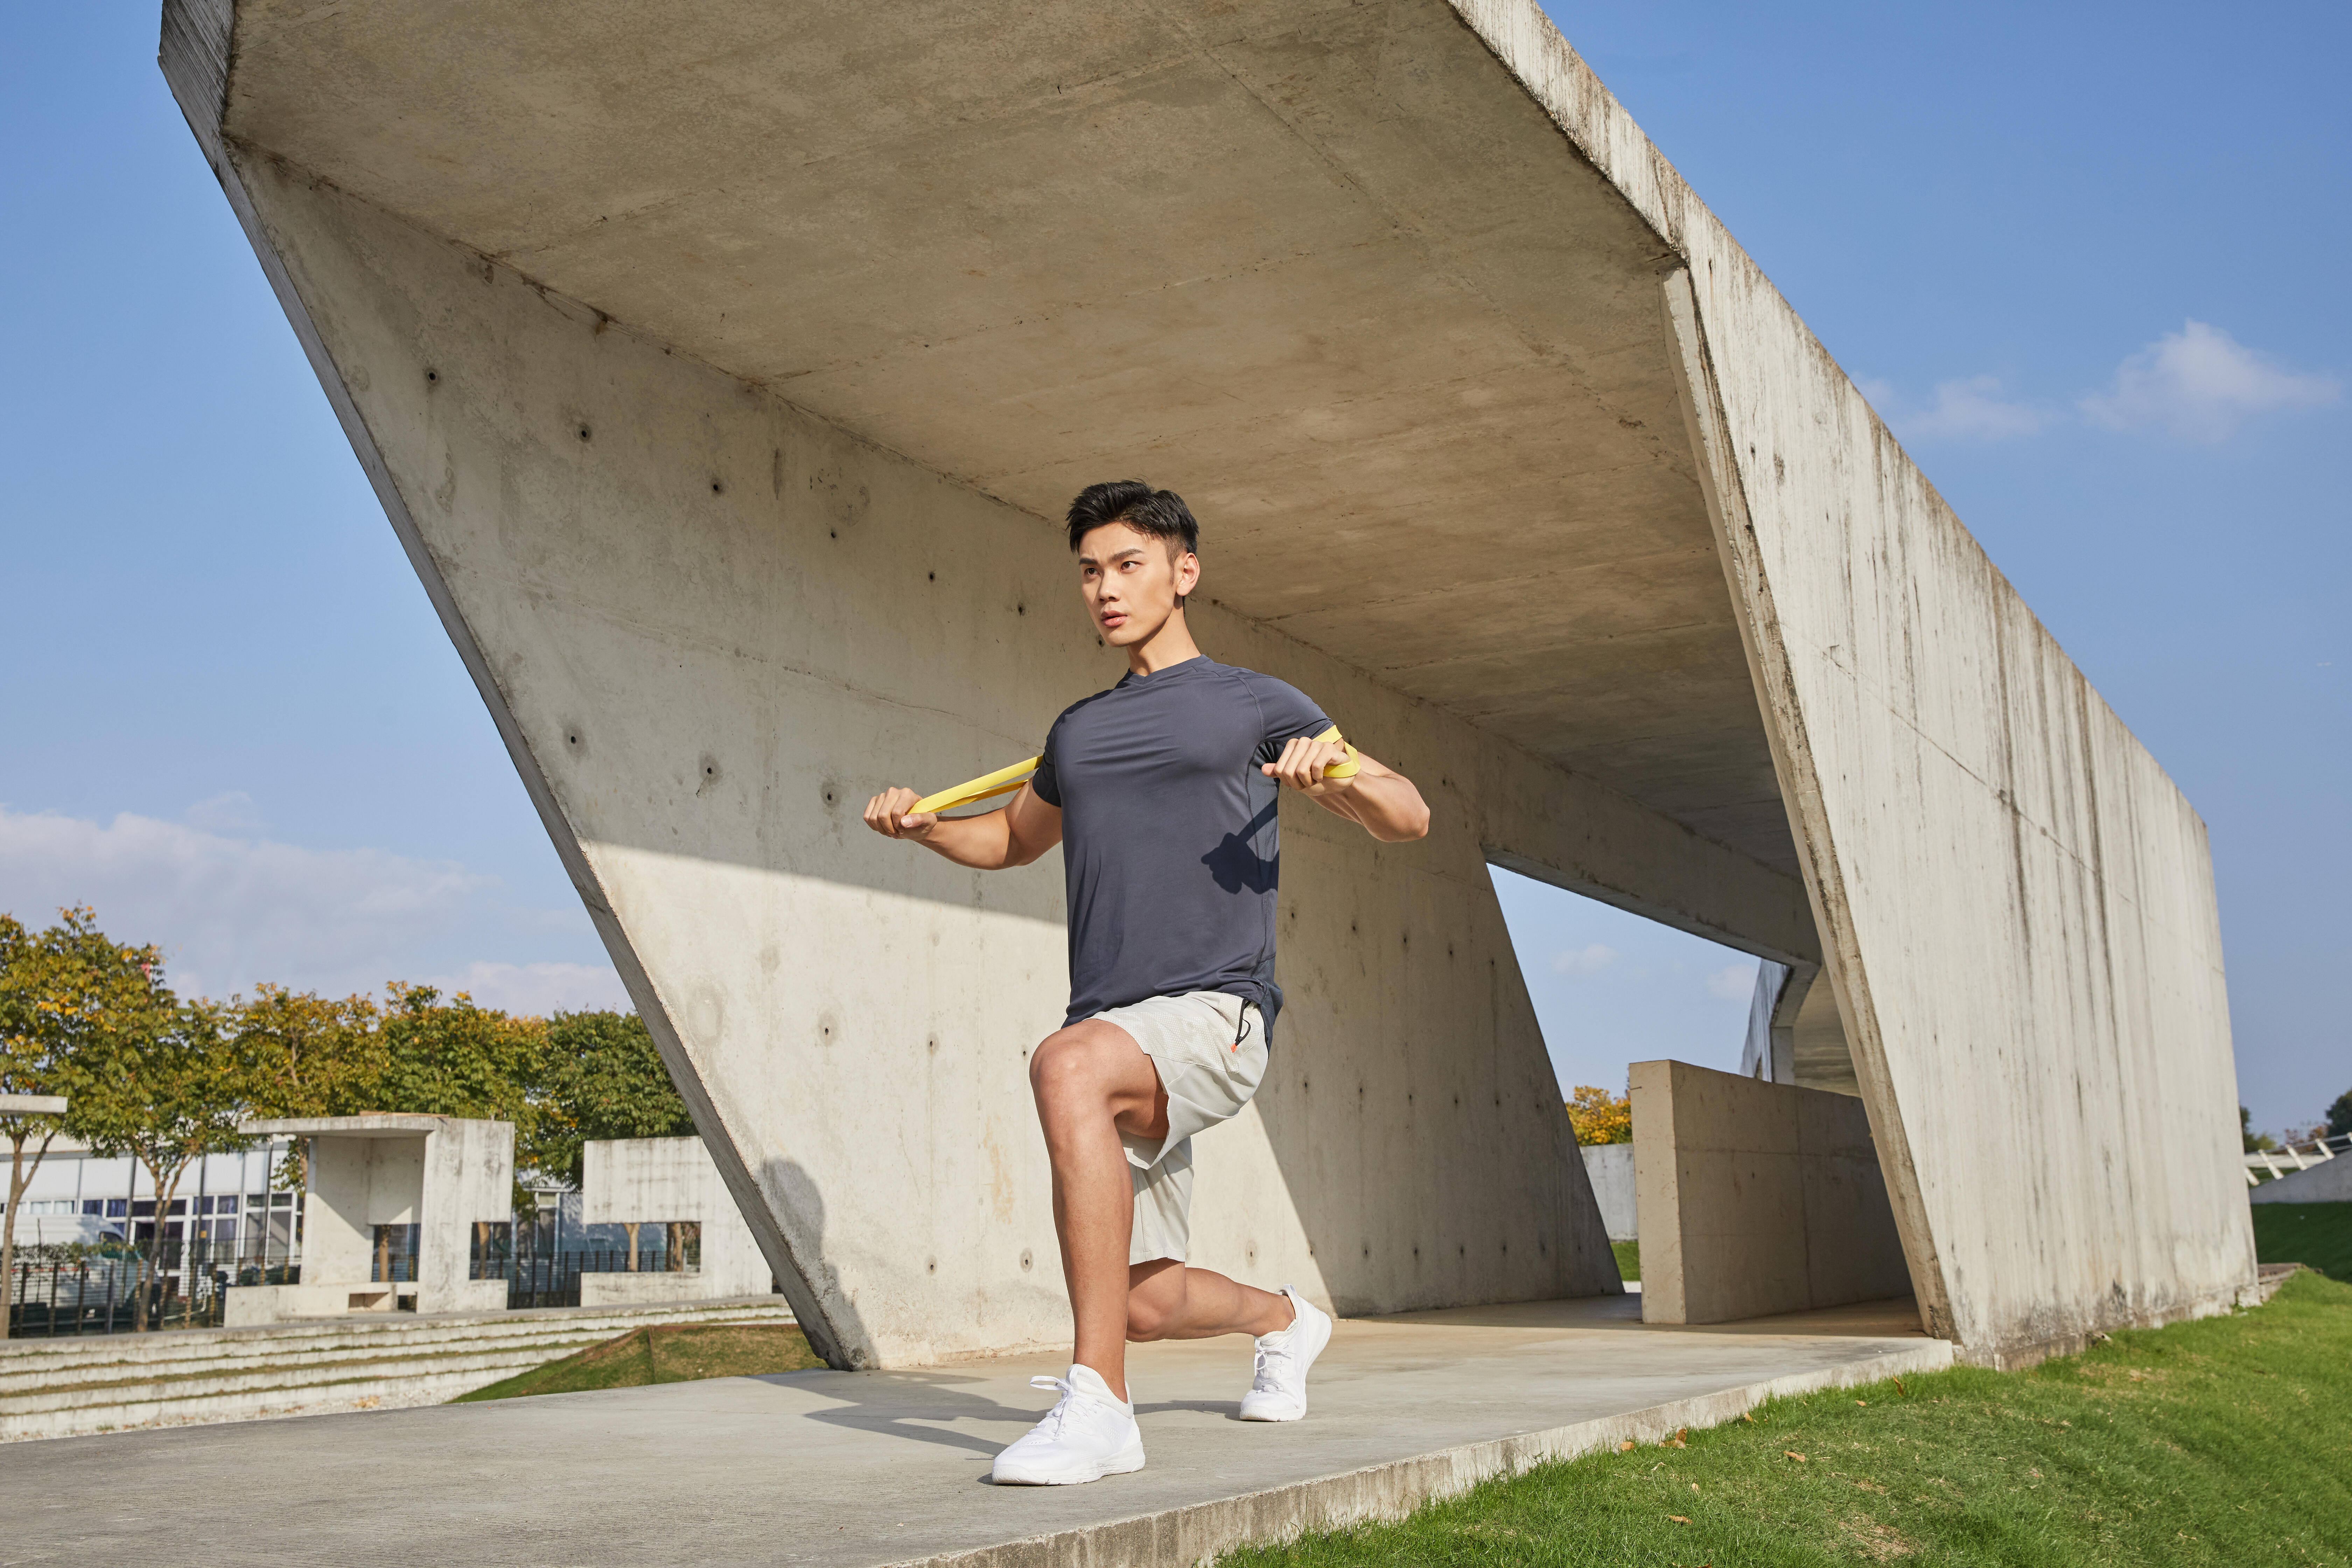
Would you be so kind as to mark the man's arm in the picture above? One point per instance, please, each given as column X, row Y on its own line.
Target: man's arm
column 1379, row 799
column 995, row 840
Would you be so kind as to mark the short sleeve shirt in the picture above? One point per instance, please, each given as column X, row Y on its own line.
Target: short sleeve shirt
column 1170, row 841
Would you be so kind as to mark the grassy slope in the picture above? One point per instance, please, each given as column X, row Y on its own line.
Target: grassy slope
column 671, row 1352
column 2319, row 1234
column 1629, row 1260
column 2227, row 1441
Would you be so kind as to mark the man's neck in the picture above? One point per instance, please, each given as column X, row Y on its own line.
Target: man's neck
column 1171, row 643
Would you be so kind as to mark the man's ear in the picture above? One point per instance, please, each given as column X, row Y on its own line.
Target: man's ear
column 1188, row 573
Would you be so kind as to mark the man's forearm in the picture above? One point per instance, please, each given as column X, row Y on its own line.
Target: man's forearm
column 1387, row 808
column 985, row 842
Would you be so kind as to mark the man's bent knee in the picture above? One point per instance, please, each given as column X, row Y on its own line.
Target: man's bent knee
column 1069, row 1062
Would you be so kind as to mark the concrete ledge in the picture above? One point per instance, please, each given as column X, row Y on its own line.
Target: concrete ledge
column 1389, row 1491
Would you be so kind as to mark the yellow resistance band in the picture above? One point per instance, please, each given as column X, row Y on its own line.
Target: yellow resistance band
column 1004, row 781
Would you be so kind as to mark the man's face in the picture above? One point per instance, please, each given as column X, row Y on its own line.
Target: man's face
column 1130, row 585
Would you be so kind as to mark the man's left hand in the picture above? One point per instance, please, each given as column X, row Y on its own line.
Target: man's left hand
column 1301, row 766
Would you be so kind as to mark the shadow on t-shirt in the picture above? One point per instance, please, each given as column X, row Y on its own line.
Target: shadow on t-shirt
column 1236, row 866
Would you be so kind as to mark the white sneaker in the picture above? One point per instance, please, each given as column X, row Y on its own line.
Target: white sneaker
column 1278, row 1390
column 1090, row 1433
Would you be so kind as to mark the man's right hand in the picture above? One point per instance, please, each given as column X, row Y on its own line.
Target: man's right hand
column 892, row 814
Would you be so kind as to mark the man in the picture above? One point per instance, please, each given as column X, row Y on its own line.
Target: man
column 1163, row 792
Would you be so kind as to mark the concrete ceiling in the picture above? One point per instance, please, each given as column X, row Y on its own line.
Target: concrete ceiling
column 1323, row 268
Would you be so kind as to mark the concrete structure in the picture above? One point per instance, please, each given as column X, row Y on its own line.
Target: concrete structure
column 1756, row 1198
column 384, row 1188
column 721, row 372
column 630, row 1181
column 1793, row 1033
column 73, row 1386
column 2327, row 1182
column 1610, row 1168
column 745, row 1471
column 31, row 1105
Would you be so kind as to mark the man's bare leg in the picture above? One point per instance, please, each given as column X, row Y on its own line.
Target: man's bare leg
column 1168, row 1300
column 1092, row 1081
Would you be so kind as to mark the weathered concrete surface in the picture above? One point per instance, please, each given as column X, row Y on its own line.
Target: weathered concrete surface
column 1610, row 1168
column 1756, row 1198
column 1794, row 1034
column 444, row 1175
column 626, row 1180
column 2328, row 1181
column 720, row 369
column 747, row 1471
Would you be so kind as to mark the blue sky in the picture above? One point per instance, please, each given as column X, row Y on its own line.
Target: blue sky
column 2083, row 259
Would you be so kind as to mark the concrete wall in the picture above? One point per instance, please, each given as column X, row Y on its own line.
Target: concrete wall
column 628, row 1181
column 1756, row 1198
column 711, row 626
column 1610, row 1168
column 2328, row 1181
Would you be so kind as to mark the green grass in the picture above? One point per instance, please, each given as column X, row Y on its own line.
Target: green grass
column 2227, row 1441
column 1629, row 1260
column 669, row 1352
column 2318, row 1234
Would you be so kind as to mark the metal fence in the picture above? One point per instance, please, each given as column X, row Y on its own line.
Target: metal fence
column 548, row 1279
column 95, row 1291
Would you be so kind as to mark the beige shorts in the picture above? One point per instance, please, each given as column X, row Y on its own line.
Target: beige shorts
column 1191, row 1039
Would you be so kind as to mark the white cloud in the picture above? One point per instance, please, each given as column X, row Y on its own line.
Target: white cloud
column 232, row 912
column 1969, row 409
column 233, row 814
column 540, row 988
column 2201, row 383
column 1733, row 982
column 1584, row 960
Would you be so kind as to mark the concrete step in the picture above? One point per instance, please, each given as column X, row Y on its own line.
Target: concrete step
column 65, row 1388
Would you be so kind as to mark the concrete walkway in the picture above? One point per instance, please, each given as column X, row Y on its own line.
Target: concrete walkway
column 884, row 1468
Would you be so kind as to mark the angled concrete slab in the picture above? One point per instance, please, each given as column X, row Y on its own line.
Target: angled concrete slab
column 843, row 1468
column 721, row 373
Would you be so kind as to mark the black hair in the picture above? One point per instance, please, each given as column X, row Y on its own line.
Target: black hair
column 1161, row 513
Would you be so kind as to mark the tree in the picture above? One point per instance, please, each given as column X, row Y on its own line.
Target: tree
column 455, row 1058
column 604, row 1078
column 61, row 993
column 161, row 1085
column 2256, row 1141
column 2339, row 1115
column 1600, row 1117
column 306, row 1055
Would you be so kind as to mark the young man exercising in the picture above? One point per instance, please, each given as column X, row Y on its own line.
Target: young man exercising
column 1163, row 792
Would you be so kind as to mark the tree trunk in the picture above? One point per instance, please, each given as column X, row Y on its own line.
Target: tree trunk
column 20, row 1176
column 630, row 1227
column 150, row 1265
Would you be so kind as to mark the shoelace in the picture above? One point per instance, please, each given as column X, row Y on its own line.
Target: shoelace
column 1061, row 1411
column 1263, row 1378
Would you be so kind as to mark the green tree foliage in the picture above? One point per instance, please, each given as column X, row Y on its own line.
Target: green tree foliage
column 603, row 1078
column 2256, row 1141
column 2339, row 1115
column 67, row 993
column 304, row 1054
column 161, row 1085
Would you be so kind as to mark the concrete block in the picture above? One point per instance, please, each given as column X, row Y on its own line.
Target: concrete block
column 634, row 1180
column 1610, row 1168
column 1756, row 1198
column 443, row 1175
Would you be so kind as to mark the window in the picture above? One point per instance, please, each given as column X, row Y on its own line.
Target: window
column 228, row 1205
column 281, row 1200
column 93, row 1205
column 179, row 1206
column 116, row 1208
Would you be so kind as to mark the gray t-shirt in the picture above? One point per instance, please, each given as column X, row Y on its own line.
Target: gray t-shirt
column 1169, row 842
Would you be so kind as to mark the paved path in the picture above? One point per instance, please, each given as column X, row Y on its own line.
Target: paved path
column 878, row 1467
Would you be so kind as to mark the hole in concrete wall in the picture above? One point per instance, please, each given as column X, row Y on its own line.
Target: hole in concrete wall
column 1612, row 989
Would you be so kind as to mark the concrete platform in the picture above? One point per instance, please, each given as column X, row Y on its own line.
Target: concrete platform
column 847, row 1469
